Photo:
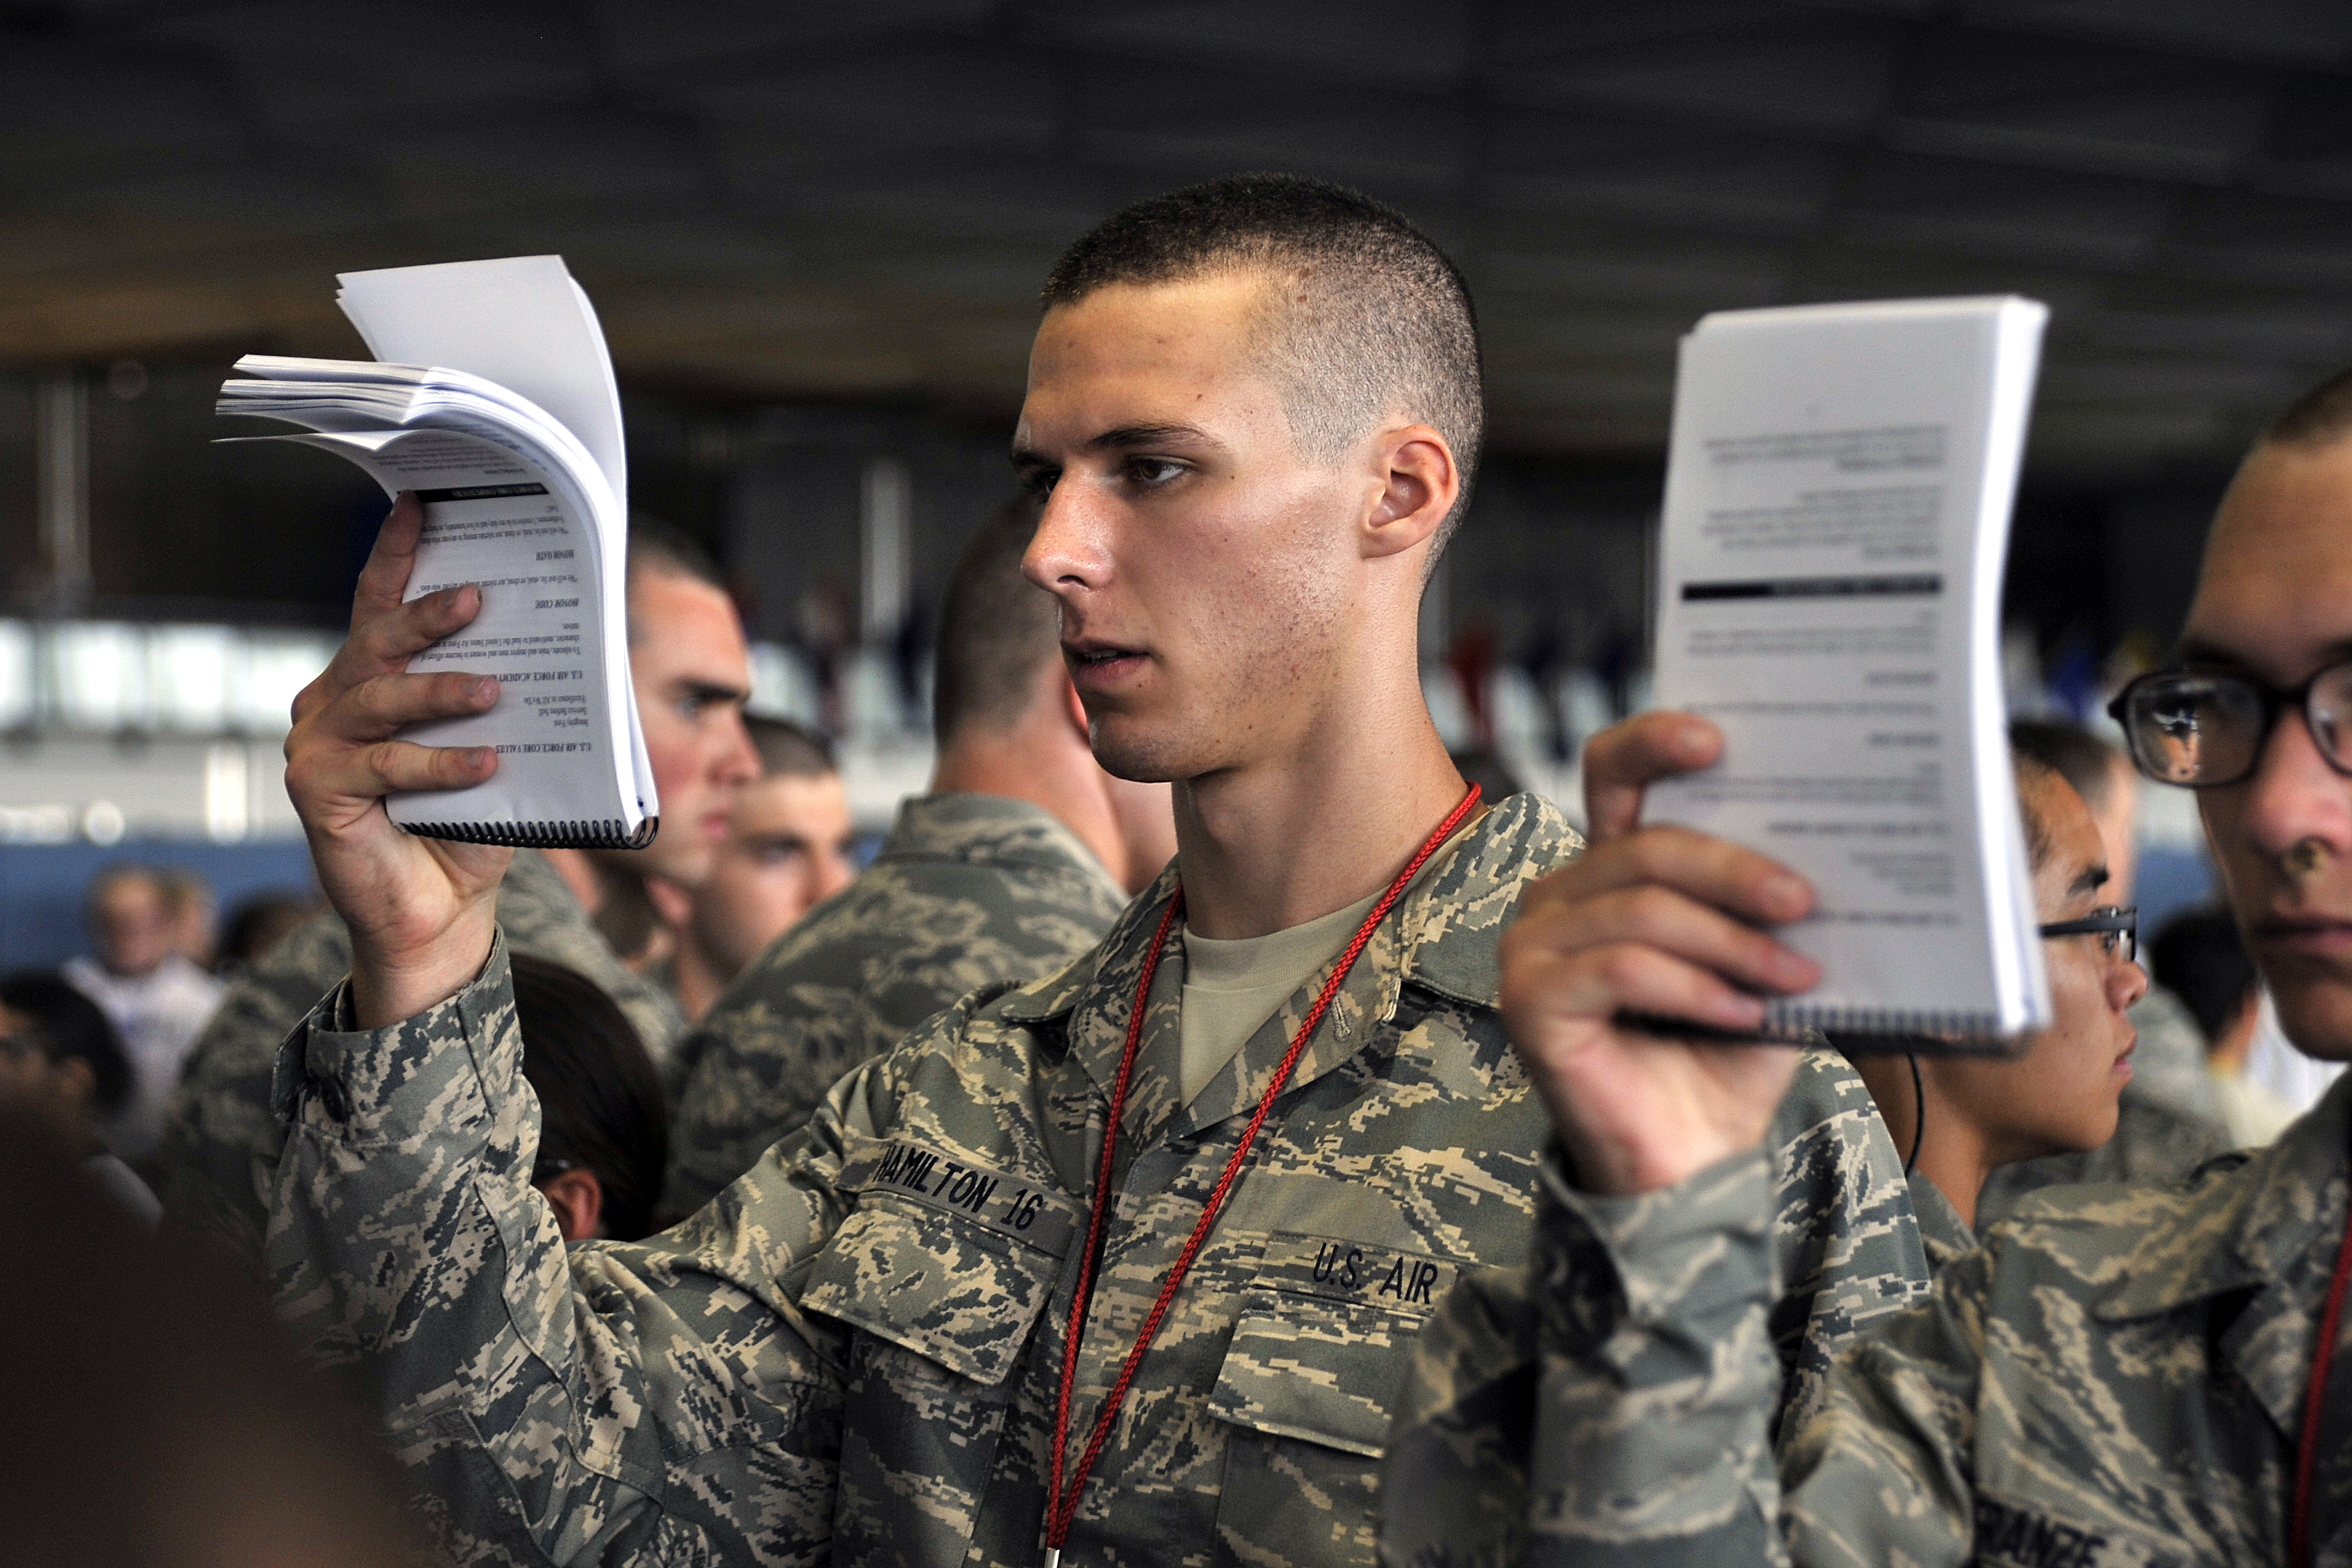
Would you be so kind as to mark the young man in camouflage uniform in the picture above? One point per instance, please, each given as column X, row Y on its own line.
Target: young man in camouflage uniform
column 692, row 673
column 2118, row 1375
column 999, row 874
column 1253, row 407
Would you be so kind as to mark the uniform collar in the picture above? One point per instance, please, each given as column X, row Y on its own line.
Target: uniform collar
column 2273, row 1236
column 987, row 830
column 2286, row 1207
column 1443, row 937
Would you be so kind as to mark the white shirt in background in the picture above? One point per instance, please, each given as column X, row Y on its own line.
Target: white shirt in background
column 2274, row 1063
column 157, row 1015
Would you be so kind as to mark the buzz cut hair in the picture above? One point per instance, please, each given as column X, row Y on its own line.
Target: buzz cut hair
column 662, row 551
column 997, row 630
column 1371, row 321
column 670, row 551
column 787, row 751
column 2320, row 418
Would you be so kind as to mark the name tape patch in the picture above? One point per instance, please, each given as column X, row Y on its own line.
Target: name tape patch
column 1013, row 1206
column 2024, row 1539
column 1357, row 1272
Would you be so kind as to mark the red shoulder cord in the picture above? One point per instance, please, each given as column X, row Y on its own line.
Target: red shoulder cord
column 2322, row 1362
column 1061, row 1506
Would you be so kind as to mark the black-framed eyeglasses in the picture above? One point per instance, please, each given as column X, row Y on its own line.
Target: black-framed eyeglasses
column 2203, row 729
column 2116, row 927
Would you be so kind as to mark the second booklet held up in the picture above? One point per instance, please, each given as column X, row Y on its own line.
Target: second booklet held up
column 493, row 400
column 1837, row 515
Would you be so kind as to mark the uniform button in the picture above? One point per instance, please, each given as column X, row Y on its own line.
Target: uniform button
column 334, row 1098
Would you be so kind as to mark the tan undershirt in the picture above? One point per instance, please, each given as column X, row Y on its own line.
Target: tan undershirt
column 1231, row 987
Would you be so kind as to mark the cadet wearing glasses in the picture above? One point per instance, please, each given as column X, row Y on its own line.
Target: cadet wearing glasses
column 1957, row 1119
column 2119, row 1374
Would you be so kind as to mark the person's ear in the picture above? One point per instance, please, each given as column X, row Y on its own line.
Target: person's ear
column 673, row 903
column 73, row 1081
column 578, row 1199
column 1418, row 487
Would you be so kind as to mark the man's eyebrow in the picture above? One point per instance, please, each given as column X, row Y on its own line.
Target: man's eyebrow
column 712, row 690
column 2197, row 650
column 2090, row 879
column 1121, row 439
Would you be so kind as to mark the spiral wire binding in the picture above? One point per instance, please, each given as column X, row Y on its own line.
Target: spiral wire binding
column 609, row 834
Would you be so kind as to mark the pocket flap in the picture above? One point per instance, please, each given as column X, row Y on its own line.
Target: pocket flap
column 941, row 1256
column 1319, row 1372
column 1325, row 1339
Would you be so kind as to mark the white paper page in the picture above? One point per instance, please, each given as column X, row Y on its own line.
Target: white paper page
column 1823, row 592
column 492, row 519
column 521, row 321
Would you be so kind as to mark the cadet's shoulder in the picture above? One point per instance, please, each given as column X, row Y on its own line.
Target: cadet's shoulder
column 1520, row 837
column 2119, row 1244
column 1451, row 923
column 263, row 1001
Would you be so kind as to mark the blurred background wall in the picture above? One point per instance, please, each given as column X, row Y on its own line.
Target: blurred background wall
column 815, row 235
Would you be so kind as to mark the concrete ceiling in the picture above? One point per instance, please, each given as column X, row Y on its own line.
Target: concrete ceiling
column 786, row 200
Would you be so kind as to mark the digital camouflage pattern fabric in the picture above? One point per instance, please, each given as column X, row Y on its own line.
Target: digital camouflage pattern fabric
column 1839, row 1227
column 2167, row 1122
column 1942, row 1231
column 853, row 1351
column 221, row 1138
column 968, row 891
column 2117, row 1376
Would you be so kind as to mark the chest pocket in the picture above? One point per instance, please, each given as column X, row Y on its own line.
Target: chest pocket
column 1323, row 1345
column 943, row 1256
column 944, row 1267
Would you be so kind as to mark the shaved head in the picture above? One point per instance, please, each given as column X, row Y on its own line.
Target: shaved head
column 1364, row 319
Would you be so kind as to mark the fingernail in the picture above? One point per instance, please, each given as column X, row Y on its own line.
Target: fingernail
column 483, row 756
column 485, row 689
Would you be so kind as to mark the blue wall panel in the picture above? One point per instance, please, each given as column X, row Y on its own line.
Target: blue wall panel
column 41, row 886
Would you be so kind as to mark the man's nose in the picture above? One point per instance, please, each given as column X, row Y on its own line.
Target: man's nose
column 2128, row 985
column 2294, row 795
column 1067, row 551
column 739, row 761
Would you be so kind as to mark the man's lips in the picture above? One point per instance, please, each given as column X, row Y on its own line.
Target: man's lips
column 2316, row 936
column 1098, row 664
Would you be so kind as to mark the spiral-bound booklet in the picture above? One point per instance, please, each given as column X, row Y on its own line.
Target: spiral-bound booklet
column 492, row 398
column 1837, row 510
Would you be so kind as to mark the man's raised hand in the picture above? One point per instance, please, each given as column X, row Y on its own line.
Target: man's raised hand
column 421, row 911
column 1662, row 922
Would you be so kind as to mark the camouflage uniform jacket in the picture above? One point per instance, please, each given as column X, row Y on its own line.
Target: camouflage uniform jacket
column 220, row 1138
column 969, row 890
column 853, row 1350
column 2169, row 1121
column 1842, row 1238
column 1942, row 1231
column 2117, row 1376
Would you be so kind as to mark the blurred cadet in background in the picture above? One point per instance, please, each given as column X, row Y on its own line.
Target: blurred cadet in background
column 2202, row 957
column 789, row 847
column 61, row 1060
column 1957, row 1119
column 154, row 1417
column 1018, row 860
column 257, row 923
column 692, row 671
column 194, row 914
column 604, row 1133
column 2171, row 1120
column 157, row 997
